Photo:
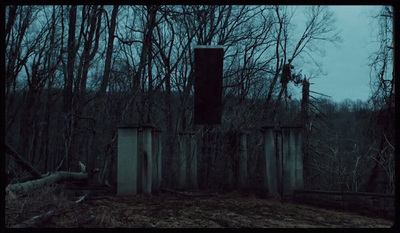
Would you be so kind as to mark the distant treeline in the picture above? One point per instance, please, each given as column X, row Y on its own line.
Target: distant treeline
column 343, row 145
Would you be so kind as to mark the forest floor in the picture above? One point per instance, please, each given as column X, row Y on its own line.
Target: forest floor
column 171, row 210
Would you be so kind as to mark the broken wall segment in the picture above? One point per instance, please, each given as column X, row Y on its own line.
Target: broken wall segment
column 270, row 175
column 283, row 160
column 127, row 160
column 292, row 159
column 139, row 163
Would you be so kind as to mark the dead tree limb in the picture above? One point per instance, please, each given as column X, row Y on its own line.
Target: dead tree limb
column 36, row 221
column 22, row 162
column 27, row 187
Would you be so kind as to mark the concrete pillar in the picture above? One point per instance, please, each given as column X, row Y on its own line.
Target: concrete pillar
column 297, row 139
column 292, row 155
column 270, row 176
column 127, row 160
column 242, row 161
column 232, row 161
column 192, row 161
column 157, row 160
column 278, row 155
column 147, row 172
column 288, row 163
column 140, row 160
column 182, row 161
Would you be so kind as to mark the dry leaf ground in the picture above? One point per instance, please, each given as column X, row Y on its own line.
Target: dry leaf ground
column 169, row 210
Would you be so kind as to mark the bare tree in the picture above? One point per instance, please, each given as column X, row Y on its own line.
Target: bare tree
column 120, row 63
column 39, row 39
column 383, row 86
column 17, row 54
column 319, row 27
column 98, row 156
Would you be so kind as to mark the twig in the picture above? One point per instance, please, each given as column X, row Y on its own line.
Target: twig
column 388, row 141
column 320, row 94
column 81, row 199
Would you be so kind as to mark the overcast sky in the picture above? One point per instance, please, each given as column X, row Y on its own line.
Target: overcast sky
column 347, row 66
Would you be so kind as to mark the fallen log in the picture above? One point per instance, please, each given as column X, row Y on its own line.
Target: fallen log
column 29, row 186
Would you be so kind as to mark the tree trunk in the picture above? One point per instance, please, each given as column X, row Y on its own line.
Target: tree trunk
column 22, row 162
column 68, row 85
column 100, row 118
column 71, row 61
column 110, row 48
column 305, row 118
column 278, row 65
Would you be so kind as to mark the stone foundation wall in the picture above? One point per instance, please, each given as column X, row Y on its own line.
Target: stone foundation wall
column 368, row 204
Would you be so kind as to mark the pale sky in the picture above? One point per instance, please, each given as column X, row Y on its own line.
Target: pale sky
column 347, row 65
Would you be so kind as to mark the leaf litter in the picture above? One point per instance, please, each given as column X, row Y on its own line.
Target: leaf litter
column 170, row 210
